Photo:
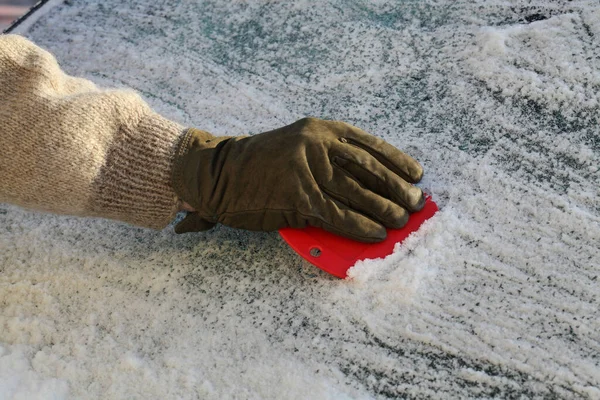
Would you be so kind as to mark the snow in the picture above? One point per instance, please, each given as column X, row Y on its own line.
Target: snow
column 498, row 296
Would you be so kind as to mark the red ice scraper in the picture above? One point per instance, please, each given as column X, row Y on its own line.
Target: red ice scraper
column 335, row 254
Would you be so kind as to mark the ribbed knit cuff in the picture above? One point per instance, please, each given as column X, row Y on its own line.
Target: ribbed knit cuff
column 135, row 184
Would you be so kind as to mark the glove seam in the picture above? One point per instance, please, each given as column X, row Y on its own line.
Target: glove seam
column 372, row 215
column 381, row 181
column 337, row 196
column 379, row 157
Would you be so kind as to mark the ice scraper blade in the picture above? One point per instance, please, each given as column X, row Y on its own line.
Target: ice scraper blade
column 336, row 255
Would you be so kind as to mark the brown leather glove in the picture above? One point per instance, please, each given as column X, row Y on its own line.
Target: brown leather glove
column 327, row 174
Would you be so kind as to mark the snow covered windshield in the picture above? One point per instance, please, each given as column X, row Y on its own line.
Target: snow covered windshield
column 498, row 295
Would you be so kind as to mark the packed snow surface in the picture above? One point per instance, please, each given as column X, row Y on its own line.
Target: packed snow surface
column 498, row 296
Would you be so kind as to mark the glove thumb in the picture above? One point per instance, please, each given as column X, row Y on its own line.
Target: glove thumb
column 193, row 223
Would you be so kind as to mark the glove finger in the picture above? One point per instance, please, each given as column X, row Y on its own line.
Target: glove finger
column 349, row 192
column 396, row 160
column 339, row 219
column 376, row 177
column 193, row 223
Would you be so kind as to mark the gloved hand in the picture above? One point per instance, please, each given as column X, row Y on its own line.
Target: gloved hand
column 327, row 174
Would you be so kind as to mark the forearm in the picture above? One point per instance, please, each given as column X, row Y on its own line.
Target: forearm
column 69, row 147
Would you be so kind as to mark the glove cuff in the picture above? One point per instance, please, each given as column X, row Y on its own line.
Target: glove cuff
column 192, row 141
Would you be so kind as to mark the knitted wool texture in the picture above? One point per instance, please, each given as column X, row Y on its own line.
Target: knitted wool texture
column 68, row 147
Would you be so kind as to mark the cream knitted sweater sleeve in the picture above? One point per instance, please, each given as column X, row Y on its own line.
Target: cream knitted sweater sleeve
column 67, row 146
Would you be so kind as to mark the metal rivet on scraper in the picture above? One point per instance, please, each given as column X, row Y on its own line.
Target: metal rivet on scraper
column 315, row 252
